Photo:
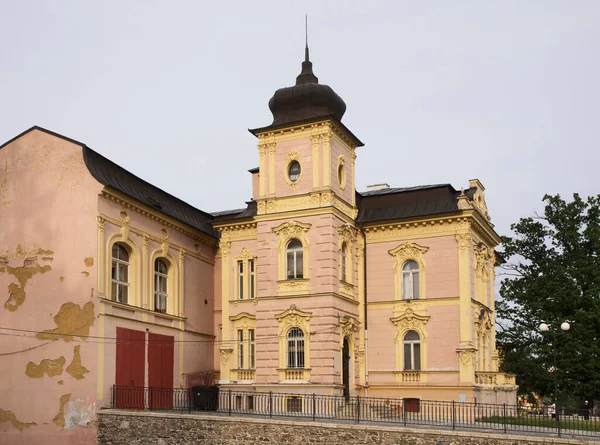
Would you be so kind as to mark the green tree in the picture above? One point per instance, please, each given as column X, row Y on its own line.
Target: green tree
column 552, row 275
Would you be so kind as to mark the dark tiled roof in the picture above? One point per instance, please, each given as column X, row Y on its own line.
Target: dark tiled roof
column 233, row 215
column 389, row 190
column 403, row 203
column 254, row 170
column 112, row 175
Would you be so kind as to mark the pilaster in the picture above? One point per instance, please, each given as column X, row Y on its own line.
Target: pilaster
column 100, row 324
column 465, row 348
column 314, row 139
column 146, row 295
column 360, row 282
column 352, row 172
column 225, row 349
column 262, row 149
column 181, row 281
column 271, row 147
column 327, row 159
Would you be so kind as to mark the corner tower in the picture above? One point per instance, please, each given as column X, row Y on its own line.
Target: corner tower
column 306, row 154
column 290, row 269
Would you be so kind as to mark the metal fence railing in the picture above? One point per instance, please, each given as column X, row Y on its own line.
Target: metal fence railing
column 502, row 418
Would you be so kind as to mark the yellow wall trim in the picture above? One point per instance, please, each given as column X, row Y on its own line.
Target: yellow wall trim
column 125, row 201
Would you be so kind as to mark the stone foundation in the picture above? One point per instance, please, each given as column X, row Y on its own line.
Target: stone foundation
column 137, row 428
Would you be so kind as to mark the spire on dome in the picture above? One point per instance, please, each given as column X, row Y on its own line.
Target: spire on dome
column 306, row 75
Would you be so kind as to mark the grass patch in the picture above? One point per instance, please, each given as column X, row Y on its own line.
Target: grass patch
column 566, row 423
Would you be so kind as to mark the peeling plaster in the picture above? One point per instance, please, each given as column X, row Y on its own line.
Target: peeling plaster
column 76, row 369
column 48, row 366
column 71, row 321
column 85, row 274
column 62, row 279
column 59, row 419
column 30, row 267
column 60, row 382
column 8, row 416
column 89, row 261
column 79, row 413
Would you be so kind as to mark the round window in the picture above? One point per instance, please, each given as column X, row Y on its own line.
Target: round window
column 294, row 171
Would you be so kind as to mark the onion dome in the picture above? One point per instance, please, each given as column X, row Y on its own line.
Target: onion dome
column 306, row 100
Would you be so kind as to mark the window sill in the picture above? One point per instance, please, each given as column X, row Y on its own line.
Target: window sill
column 293, row 287
column 133, row 309
column 346, row 289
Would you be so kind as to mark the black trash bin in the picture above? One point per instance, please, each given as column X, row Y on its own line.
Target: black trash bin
column 206, row 398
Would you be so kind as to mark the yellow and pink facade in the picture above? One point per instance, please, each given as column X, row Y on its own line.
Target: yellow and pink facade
column 312, row 288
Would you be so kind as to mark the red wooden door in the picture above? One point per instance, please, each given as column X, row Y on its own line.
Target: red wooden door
column 129, row 377
column 160, row 370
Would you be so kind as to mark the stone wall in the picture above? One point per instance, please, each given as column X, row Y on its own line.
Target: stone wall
column 137, row 428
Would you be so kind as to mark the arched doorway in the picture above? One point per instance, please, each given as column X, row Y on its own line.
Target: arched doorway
column 346, row 368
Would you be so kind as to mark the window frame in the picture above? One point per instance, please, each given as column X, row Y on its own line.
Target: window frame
column 117, row 282
column 295, row 176
column 344, row 262
column 157, row 292
column 413, row 365
column 294, row 251
column 240, row 279
column 413, row 282
column 295, row 354
column 240, row 347
column 252, row 278
column 251, row 349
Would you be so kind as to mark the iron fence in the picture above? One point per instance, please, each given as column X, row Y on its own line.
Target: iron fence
column 453, row 415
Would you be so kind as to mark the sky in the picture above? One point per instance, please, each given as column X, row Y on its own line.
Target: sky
column 439, row 91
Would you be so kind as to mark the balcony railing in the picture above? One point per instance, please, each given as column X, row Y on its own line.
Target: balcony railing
column 294, row 374
column 245, row 374
column 494, row 378
column 408, row 377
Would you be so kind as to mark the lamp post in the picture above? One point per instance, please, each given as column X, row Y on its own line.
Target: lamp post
column 544, row 329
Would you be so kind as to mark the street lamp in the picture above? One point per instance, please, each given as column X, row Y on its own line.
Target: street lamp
column 544, row 329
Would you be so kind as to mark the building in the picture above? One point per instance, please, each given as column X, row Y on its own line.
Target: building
column 312, row 288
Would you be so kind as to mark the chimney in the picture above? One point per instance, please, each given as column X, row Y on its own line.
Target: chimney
column 374, row 187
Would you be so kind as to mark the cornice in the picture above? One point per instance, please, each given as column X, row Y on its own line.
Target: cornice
column 167, row 221
column 304, row 213
column 237, row 232
column 314, row 200
column 309, row 129
column 419, row 304
column 465, row 222
column 161, row 240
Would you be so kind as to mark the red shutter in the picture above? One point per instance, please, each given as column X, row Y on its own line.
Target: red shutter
column 129, row 377
column 160, row 370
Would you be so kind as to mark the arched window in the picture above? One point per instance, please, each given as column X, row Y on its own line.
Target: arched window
column 412, row 351
column 120, row 273
column 161, row 276
column 343, row 262
column 410, row 280
column 295, row 348
column 295, row 266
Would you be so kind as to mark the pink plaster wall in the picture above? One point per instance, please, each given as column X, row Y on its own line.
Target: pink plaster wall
column 47, row 201
column 255, row 185
column 198, row 296
column 441, row 268
column 323, row 254
column 304, row 148
column 339, row 148
column 442, row 328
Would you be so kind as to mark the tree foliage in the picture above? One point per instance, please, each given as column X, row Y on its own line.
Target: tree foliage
column 553, row 275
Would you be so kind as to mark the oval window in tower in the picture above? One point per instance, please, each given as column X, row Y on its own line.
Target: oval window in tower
column 294, row 171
